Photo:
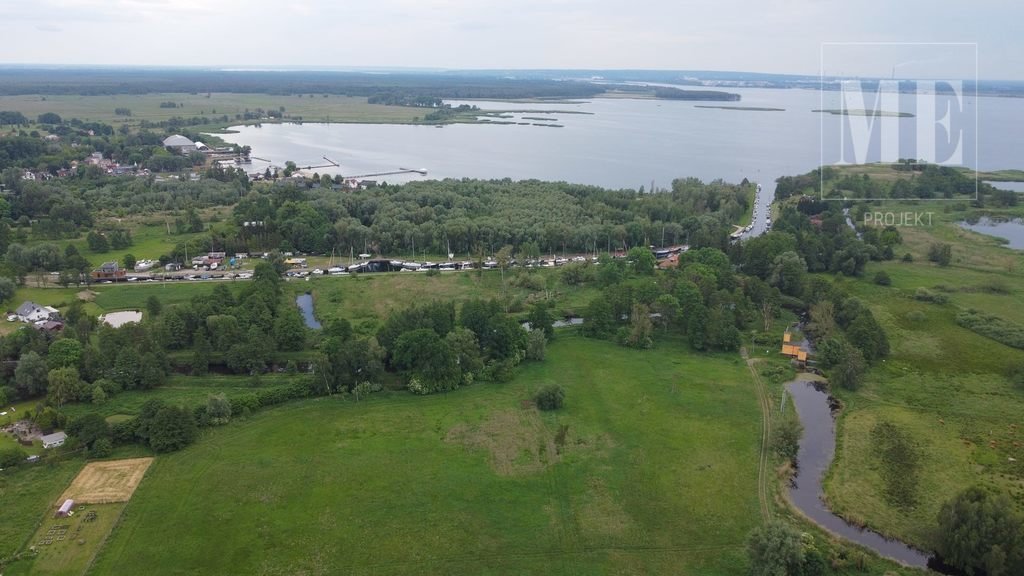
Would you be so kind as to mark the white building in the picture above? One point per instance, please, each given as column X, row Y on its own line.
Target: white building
column 179, row 144
column 54, row 440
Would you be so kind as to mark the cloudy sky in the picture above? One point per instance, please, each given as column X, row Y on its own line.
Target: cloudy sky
column 784, row 36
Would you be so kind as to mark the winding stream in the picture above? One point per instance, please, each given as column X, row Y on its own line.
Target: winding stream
column 305, row 304
column 817, row 447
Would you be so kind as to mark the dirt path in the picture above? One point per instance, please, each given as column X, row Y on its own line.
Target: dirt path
column 766, row 432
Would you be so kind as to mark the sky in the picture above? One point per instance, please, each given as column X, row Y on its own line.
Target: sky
column 776, row 36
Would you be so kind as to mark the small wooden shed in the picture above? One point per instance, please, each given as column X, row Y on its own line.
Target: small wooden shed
column 65, row 509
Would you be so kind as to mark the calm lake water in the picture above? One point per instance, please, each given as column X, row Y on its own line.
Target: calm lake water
column 1010, row 230
column 620, row 143
column 1011, row 186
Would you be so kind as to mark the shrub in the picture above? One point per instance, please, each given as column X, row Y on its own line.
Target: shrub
column 12, row 457
column 774, row 549
column 786, row 437
column 550, row 397
column 536, row 344
column 908, row 257
column 244, row 405
column 416, row 386
column 882, row 279
column 218, row 410
column 925, row 295
column 941, row 254
column 916, row 316
column 994, row 327
column 101, row 448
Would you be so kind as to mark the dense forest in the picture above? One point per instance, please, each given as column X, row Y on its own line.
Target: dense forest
column 472, row 215
column 925, row 181
column 403, row 89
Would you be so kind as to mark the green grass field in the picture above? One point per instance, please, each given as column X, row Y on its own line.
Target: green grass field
column 82, row 538
column 656, row 475
column 364, row 299
column 27, row 495
column 944, row 387
column 147, row 107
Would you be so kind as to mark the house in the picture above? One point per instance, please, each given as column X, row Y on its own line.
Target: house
column 65, row 509
column 51, row 327
column 172, row 267
column 31, row 312
column 109, row 271
column 179, row 144
column 795, row 351
column 144, row 265
column 54, row 440
column 27, row 309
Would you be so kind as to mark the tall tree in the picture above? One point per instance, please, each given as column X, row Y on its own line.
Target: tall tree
column 31, row 375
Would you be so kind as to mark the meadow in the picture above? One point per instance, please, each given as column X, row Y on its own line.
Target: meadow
column 365, row 298
column 944, row 388
column 649, row 468
column 310, row 108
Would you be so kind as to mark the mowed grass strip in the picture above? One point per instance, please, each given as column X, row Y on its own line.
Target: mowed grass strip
column 656, row 474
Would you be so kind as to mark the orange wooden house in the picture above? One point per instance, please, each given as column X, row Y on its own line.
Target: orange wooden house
column 792, row 350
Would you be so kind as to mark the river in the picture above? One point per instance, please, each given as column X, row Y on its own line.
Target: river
column 305, row 304
column 817, row 447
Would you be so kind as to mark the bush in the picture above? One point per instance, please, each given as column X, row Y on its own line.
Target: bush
column 124, row 432
column 12, row 457
column 786, row 437
column 102, row 448
column 217, row 410
column 775, row 549
column 925, row 295
column 244, row 405
column 550, row 397
column 941, row 254
column 882, row 279
column 916, row 316
column 908, row 257
column 536, row 345
column 994, row 327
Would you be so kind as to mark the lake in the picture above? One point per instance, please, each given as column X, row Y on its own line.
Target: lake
column 1011, row 186
column 619, row 143
column 1010, row 230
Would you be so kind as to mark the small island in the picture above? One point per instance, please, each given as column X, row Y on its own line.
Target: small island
column 744, row 108
column 862, row 112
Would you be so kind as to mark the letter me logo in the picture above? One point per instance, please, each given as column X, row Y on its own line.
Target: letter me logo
column 914, row 118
